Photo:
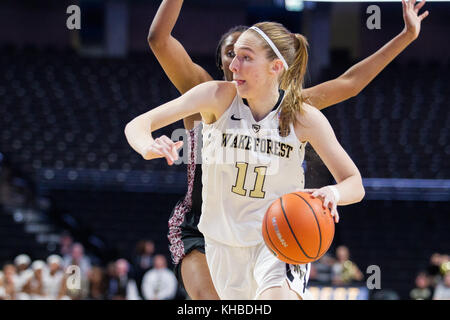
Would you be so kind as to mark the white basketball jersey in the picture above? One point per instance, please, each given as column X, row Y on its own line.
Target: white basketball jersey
column 246, row 165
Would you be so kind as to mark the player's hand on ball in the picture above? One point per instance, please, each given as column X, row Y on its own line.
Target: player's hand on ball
column 162, row 147
column 329, row 199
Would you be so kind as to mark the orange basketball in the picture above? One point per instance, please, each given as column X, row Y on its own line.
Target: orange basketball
column 297, row 228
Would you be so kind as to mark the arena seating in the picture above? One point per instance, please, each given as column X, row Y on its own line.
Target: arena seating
column 61, row 111
column 398, row 126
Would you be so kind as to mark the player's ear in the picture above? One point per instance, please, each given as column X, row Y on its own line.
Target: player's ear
column 277, row 66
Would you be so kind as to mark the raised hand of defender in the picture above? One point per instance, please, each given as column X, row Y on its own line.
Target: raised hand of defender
column 412, row 18
column 329, row 199
column 162, row 147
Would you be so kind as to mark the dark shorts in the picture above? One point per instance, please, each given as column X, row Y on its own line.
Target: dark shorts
column 184, row 235
column 191, row 242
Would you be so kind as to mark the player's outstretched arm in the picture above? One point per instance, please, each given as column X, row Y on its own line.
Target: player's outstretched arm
column 172, row 56
column 361, row 74
column 209, row 99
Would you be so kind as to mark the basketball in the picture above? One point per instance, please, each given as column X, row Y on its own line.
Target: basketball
column 297, row 228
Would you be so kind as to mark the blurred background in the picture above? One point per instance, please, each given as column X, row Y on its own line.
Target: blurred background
column 72, row 191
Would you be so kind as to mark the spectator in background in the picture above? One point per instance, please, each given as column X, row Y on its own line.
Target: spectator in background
column 344, row 271
column 143, row 260
column 437, row 267
column 434, row 267
column 8, row 282
column 24, row 273
column 110, row 271
column 34, row 287
column 97, row 284
column 423, row 290
column 159, row 283
column 442, row 291
column 65, row 244
column 121, row 286
column 78, row 258
column 321, row 270
column 54, row 280
column 445, row 265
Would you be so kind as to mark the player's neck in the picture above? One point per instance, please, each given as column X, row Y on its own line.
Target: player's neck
column 263, row 103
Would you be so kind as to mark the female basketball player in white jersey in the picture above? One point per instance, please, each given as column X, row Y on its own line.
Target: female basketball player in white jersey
column 268, row 58
column 187, row 244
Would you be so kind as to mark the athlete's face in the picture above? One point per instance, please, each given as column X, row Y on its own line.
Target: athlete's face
column 227, row 53
column 252, row 71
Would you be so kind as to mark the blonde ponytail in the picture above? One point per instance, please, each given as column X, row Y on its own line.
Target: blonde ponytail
column 292, row 84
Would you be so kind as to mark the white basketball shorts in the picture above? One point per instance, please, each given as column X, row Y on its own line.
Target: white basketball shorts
column 243, row 273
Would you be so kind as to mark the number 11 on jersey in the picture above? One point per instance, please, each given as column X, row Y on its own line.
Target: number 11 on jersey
column 257, row 191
